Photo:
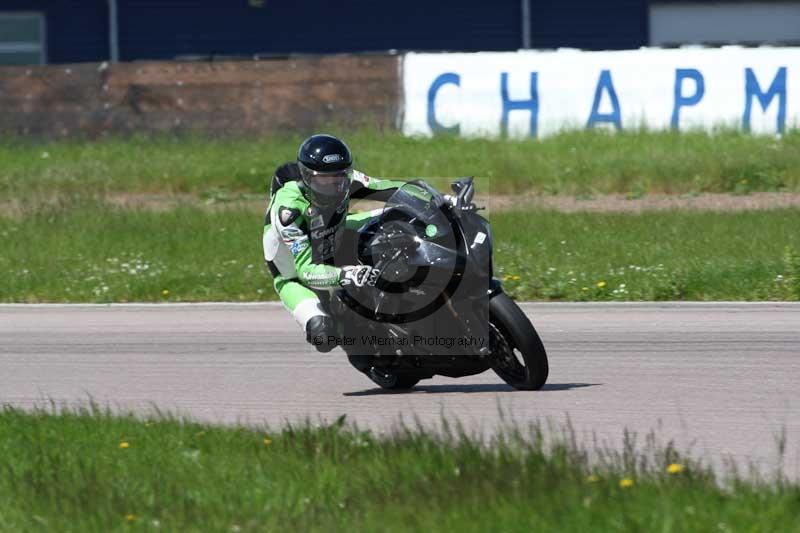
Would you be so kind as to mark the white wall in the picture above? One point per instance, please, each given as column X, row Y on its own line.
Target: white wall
column 626, row 89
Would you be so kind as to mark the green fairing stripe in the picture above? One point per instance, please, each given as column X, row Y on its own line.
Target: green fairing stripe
column 419, row 192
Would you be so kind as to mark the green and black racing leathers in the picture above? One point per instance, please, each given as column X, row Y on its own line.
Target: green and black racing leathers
column 300, row 242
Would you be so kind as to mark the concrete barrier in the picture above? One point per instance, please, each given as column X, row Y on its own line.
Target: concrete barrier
column 534, row 93
column 521, row 94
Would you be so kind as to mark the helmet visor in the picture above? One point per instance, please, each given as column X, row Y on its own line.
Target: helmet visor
column 327, row 186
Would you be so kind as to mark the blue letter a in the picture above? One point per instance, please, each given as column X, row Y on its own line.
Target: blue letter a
column 615, row 116
column 751, row 89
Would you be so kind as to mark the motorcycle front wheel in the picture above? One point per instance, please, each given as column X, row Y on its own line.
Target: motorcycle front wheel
column 518, row 355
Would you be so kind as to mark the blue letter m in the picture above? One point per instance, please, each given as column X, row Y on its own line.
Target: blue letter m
column 777, row 88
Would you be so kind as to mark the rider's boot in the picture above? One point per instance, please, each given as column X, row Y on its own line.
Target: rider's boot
column 321, row 333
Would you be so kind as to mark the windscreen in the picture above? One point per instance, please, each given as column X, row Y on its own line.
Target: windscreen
column 418, row 204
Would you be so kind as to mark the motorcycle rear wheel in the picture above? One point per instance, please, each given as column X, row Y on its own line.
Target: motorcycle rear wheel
column 391, row 381
column 518, row 357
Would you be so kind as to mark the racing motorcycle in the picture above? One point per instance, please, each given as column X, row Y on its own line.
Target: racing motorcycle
column 436, row 307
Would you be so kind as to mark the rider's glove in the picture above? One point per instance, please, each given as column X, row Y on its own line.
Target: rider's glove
column 359, row 276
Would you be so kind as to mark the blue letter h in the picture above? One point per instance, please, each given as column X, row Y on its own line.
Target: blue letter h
column 509, row 105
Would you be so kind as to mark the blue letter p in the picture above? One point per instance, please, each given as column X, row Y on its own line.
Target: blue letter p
column 686, row 101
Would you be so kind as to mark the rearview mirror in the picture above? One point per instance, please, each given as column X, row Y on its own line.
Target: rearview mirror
column 465, row 192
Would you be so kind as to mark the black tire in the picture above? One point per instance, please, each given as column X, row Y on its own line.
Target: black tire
column 403, row 383
column 360, row 362
column 513, row 331
column 391, row 381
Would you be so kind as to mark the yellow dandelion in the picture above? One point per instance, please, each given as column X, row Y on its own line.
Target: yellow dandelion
column 516, row 278
column 124, row 445
column 675, row 468
column 584, row 289
column 130, row 517
column 625, row 483
column 165, row 293
column 601, row 284
column 592, row 478
column 267, row 441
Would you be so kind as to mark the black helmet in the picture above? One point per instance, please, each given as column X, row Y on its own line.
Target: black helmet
column 326, row 167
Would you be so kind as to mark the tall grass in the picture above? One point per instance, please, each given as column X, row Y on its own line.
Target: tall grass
column 87, row 470
column 579, row 162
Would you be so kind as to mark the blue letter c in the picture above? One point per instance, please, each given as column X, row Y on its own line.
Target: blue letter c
column 442, row 79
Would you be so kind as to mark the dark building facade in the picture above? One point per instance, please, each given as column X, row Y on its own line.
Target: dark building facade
column 81, row 30
column 58, row 31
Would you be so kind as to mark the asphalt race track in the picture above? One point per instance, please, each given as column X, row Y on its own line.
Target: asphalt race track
column 722, row 380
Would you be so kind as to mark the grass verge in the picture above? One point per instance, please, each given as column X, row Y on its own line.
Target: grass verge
column 94, row 253
column 86, row 470
column 573, row 163
column 675, row 255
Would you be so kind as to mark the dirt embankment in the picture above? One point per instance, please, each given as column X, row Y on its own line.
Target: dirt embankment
column 609, row 203
column 620, row 203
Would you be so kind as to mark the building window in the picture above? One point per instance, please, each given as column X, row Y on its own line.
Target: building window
column 22, row 40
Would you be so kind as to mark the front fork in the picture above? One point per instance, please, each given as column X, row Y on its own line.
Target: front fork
column 495, row 287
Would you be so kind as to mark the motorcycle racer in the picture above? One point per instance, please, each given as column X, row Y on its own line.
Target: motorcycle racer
column 305, row 222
